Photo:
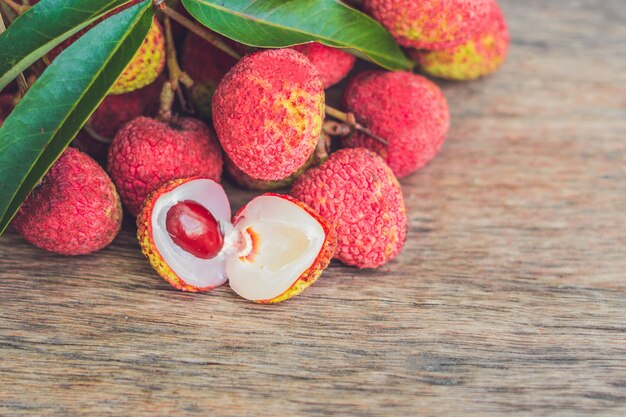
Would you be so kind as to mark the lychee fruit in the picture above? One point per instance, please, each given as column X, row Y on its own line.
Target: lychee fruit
column 206, row 65
column 333, row 64
column 74, row 211
column 274, row 248
column 358, row 194
column 407, row 110
column 430, row 24
column 147, row 152
column 113, row 113
column 268, row 113
column 145, row 66
column 6, row 106
column 483, row 54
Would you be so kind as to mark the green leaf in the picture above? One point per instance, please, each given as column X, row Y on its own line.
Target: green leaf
column 44, row 26
column 62, row 100
column 280, row 23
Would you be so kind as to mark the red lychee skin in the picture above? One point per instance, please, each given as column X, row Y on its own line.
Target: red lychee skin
column 6, row 106
column 333, row 64
column 407, row 110
column 268, row 113
column 429, row 24
column 74, row 211
column 206, row 65
column 482, row 55
column 112, row 114
column 321, row 262
column 146, row 153
column 359, row 195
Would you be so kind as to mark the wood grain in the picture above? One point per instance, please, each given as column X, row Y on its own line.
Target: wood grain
column 509, row 298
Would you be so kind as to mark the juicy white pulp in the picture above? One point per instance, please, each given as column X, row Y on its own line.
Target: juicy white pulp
column 201, row 273
column 287, row 241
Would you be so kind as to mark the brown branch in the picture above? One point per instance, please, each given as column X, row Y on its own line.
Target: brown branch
column 201, row 31
column 21, row 80
column 349, row 119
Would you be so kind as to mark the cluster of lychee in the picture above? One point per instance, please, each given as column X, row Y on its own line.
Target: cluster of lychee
column 267, row 113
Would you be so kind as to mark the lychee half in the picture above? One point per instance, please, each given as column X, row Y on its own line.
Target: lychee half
column 483, row 54
column 406, row 110
column 274, row 248
column 333, row 64
column 268, row 112
column 74, row 211
column 147, row 152
column 359, row 195
column 430, row 24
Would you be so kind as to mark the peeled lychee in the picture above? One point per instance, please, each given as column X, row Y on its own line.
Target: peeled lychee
column 359, row 195
column 74, row 211
column 268, row 112
column 206, row 65
column 481, row 55
column 274, row 248
column 333, row 64
column 430, row 24
column 146, row 153
column 6, row 106
column 407, row 110
column 145, row 66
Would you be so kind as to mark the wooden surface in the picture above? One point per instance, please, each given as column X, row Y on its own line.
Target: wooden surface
column 509, row 298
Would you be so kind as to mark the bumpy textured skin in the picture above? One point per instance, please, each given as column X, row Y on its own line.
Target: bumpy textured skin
column 407, row 110
column 74, row 211
column 322, row 260
column 483, row 54
column 113, row 113
column 146, row 153
column 333, row 64
column 6, row 105
column 429, row 24
column 249, row 183
column 359, row 195
column 146, row 238
column 206, row 65
column 145, row 66
column 268, row 112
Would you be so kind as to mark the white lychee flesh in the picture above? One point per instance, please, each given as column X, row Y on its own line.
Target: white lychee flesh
column 201, row 273
column 287, row 241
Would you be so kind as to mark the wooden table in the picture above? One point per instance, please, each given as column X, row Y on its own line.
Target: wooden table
column 509, row 297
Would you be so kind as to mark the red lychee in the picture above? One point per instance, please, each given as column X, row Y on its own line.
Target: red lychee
column 268, row 113
column 206, row 65
column 74, row 211
column 146, row 153
column 407, row 110
column 357, row 192
column 483, row 54
column 430, row 24
column 145, row 66
column 333, row 64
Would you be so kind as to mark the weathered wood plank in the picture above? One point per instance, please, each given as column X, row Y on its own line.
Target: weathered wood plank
column 510, row 297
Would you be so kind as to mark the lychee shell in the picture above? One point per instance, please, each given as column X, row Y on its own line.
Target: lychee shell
column 333, row 64
column 359, row 195
column 74, row 211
